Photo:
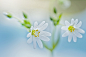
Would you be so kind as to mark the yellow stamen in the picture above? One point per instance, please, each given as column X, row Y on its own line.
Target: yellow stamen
column 37, row 30
column 71, row 28
column 35, row 33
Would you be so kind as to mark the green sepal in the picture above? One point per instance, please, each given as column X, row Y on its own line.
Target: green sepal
column 51, row 18
column 27, row 24
column 25, row 15
column 55, row 11
column 60, row 16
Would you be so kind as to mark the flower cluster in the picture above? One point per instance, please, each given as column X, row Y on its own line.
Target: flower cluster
column 37, row 34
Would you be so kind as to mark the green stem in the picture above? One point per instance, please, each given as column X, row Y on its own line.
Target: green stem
column 57, row 41
column 46, row 46
column 53, row 34
column 51, row 54
column 18, row 19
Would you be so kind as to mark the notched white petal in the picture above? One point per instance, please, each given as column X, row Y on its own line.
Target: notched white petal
column 67, row 23
column 31, row 28
column 35, row 24
column 29, row 40
column 81, row 30
column 76, row 21
column 79, row 24
column 41, row 24
column 44, row 38
column 77, row 34
column 34, row 43
column 72, row 21
column 43, row 27
column 69, row 38
column 40, row 43
column 45, row 33
column 74, row 38
column 65, row 34
column 29, row 34
column 64, row 27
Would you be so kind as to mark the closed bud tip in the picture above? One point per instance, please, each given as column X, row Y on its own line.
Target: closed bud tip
column 7, row 14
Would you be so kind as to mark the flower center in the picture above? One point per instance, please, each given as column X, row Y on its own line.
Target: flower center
column 71, row 28
column 35, row 33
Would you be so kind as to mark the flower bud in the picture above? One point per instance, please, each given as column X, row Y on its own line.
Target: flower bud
column 8, row 15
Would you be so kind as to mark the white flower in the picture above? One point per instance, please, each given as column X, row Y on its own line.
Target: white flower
column 72, row 30
column 64, row 3
column 37, row 34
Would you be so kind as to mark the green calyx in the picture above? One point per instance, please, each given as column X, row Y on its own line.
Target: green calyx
column 27, row 24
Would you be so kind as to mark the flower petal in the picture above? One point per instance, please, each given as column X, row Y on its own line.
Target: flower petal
column 41, row 24
column 31, row 28
column 45, row 33
column 81, row 30
column 67, row 23
column 72, row 21
column 44, row 38
column 74, row 38
column 39, row 43
column 69, row 38
column 35, row 24
column 29, row 40
column 77, row 34
column 34, row 42
column 79, row 24
column 65, row 34
column 29, row 34
column 76, row 21
column 64, row 27
column 43, row 27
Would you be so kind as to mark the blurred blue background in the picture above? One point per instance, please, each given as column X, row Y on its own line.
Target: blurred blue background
column 13, row 40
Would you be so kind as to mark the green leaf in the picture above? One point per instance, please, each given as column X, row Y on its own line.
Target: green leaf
column 25, row 15
column 55, row 10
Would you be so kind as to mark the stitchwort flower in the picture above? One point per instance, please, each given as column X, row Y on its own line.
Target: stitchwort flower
column 72, row 30
column 37, row 34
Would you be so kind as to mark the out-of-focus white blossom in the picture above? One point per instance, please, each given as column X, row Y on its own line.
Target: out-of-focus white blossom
column 64, row 4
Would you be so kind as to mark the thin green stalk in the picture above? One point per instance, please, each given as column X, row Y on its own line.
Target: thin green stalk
column 46, row 46
column 53, row 34
column 57, row 41
column 51, row 54
column 18, row 19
